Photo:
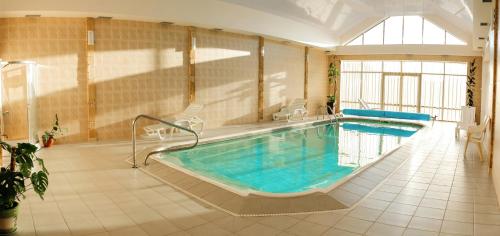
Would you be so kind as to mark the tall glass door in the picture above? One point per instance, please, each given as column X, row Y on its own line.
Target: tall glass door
column 18, row 120
column 401, row 92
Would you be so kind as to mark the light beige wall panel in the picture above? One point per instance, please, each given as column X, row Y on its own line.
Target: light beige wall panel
column 4, row 29
column 318, row 80
column 283, row 75
column 58, row 45
column 226, row 77
column 140, row 68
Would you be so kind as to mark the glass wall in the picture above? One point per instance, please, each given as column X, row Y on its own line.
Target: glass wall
column 406, row 30
column 432, row 87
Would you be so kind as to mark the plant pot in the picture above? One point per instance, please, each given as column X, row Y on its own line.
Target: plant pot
column 49, row 142
column 8, row 220
column 330, row 104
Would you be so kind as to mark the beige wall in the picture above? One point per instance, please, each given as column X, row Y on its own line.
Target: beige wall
column 58, row 44
column 318, row 80
column 226, row 77
column 283, row 75
column 140, row 67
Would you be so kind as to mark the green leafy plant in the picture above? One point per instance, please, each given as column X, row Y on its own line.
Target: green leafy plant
column 333, row 73
column 24, row 165
column 55, row 131
column 330, row 98
column 471, row 83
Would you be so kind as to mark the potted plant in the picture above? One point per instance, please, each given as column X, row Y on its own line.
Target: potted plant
column 48, row 137
column 471, row 83
column 333, row 73
column 24, row 165
column 330, row 103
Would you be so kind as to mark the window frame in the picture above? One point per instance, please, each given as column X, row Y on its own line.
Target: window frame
column 383, row 23
column 445, row 76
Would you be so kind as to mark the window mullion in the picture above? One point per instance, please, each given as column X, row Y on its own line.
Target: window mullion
column 383, row 40
column 403, row 31
column 422, row 39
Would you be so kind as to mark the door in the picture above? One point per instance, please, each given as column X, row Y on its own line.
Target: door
column 392, row 92
column 14, row 102
column 401, row 92
column 410, row 93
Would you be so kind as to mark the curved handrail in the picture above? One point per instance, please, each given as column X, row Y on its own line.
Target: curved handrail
column 158, row 151
column 333, row 112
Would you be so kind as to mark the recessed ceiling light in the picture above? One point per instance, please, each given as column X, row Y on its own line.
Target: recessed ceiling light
column 217, row 29
column 483, row 24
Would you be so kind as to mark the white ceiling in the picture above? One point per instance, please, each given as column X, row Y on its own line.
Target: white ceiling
column 346, row 18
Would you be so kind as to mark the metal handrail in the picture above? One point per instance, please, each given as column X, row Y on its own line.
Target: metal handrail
column 165, row 149
column 333, row 112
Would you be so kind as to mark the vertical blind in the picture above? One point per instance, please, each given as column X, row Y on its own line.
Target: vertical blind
column 432, row 87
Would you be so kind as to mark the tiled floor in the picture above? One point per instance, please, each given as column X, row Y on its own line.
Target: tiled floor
column 93, row 191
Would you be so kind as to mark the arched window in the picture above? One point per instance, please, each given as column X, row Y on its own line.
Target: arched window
column 406, row 30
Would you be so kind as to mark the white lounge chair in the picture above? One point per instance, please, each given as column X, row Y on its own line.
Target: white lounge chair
column 188, row 118
column 476, row 134
column 363, row 104
column 296, row 108
column 467, row 119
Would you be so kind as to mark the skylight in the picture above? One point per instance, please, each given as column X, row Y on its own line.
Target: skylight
column 406, row 30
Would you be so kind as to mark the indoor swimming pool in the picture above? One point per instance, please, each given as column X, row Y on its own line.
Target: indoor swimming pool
column 293, row 160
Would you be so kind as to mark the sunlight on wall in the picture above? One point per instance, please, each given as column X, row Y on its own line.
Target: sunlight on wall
column 214, row 54
column 171, row 58
column 108, row 115
column 132, row 62
column 50, row 70
column 277, row 87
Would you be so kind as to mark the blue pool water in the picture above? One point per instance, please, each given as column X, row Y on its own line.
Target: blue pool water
column 293, row 160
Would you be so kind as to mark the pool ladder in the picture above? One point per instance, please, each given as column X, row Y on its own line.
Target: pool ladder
column 334, row 115
column 327, row 112
column 161, row 150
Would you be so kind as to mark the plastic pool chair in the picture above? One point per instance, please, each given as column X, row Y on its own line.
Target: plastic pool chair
column 467, row 119
column 296, row 108
column 363, row 104
column 476, row 134
column 188, row 118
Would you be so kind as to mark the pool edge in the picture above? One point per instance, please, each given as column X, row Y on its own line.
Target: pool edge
column 331, row 191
